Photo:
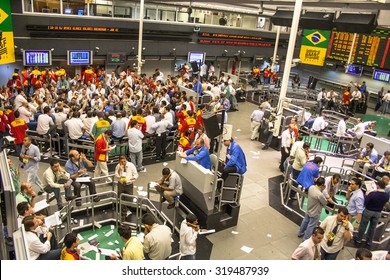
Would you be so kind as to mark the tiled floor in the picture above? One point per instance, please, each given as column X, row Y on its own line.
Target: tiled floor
column 271, row 235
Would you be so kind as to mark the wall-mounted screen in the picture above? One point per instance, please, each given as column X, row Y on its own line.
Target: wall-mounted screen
column 80, row 58
column 354, row 69
column 198, row 57
column 382, row 76
column 36, row 58
column 116, row 58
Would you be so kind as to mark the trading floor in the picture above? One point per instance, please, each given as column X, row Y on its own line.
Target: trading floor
column 270, row 235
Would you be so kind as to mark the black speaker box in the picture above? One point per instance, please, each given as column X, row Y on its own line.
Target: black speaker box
column 282, row 18
column 312, row 20
column 356, row 23
column 211, row 125
column 194, row 66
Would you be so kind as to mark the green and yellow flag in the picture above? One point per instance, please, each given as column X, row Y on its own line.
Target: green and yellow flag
column 314, row 46
column 7, row 47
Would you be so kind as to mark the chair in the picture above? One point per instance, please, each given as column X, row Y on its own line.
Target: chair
column 214, row 161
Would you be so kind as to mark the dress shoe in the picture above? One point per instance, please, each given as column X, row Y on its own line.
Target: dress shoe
column 170, row 206
column 96, row 199
column 163, row 199
column 69, row 198
column 265, row 148
column 300, row 235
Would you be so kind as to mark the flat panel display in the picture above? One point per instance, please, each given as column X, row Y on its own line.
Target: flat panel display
column 80, row 57
column 116, row 58
column 36, row 58
column 383, row 76
column 354, row 70
column 198, row 57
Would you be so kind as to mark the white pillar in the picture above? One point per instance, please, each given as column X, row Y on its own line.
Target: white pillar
column 140, row 36
column 275, row 48
column 351, row 50
column 287, row 65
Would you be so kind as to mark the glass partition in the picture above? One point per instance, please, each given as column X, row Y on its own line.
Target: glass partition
column 130, row 9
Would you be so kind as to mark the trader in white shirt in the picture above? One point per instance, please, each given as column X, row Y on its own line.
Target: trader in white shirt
column 358, row 130
column 319, row 124
column 342, row 132
column 37, row 249
column 256, row 117
column 355, row 99
column 287, row 141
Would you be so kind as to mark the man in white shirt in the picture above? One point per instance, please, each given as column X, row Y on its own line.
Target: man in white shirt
column 37, row 249
column 319, row 124
column 150, row 121
column 355, row 99
column 45, row 124
column 342, row 132
column 126, row 174
column 71, row 93
column 321, row 101
column 189, row 230
column 25, row 112
column 135, row 145
column 20, row 99
column 287, row 141
column 256, row 117
column 310, row 248
column 75, row 126
column 60, row 117
column 358, row 130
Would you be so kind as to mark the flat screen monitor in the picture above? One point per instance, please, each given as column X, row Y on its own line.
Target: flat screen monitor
column 354, row 69
column 383, row 76
column 114, row 58
column 68, row 11
column 80, row 57
column 198, row 57
column 36, row 58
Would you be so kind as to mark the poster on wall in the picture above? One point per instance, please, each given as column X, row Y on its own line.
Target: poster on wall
column 7, row 47
column 314, row 47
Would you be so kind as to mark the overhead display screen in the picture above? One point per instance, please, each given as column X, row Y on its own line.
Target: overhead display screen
column 116, row 58
column 382, row 76
column 36, row 58
column 370, row 50
column 354, row 70
column 80, row 58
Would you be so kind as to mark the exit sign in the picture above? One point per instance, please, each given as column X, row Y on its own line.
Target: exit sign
column 196, row 28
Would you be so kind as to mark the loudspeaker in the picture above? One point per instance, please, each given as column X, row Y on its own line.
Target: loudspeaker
column 211, row 125
column 356, row 23
column 282, row 18
column 312, row 20
column 194, row 66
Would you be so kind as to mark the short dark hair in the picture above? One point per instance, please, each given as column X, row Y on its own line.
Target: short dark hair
column 381, row 184
column 53, row 162
column 318, row 230
column 22, row 207
column 133, row 123
column 148, row 219
column 28, row 223
column 320, row 181
column 362, row 253
column 166, row 171
column 69, row 239
column 371, row 145
column 108, row 132
column 16, row 114
column 357, row 181
column 317, row 160
column 124, row 231
column 343, row 210
column 306, row 145
column 46, row 110
column 336, row 176
column 191, row 218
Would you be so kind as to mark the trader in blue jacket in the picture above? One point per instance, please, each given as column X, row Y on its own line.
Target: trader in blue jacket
column 199, row 153
column 235, row 159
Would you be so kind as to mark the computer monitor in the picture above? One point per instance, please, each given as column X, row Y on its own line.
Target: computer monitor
column 83, row 57
column 37, row 57
column 68, row 11
column 80, row 12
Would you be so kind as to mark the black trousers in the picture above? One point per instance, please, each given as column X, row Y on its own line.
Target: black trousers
column 284, row 157
column 77, row 188
column 161, row 145
column 227, row 170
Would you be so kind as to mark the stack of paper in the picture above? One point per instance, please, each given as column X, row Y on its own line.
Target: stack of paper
column 53, row 220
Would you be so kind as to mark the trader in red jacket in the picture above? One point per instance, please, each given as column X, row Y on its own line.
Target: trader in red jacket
column 101, row 153
column 18, row 131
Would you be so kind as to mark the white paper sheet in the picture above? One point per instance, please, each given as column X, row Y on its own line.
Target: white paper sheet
column 246, row 249
column 183, row 161
column 40, row 205
column 207, row 232
column 93, row 237
column 112, row 227
column 80, row 237
column 108, row 252
column 85, row 179
column 235, row 232
column 109, row 233
column 152, row 184
column 53, row 220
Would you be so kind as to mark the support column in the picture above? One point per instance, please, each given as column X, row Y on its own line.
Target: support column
column 287, row 65
column 275, row 48
column 140, row 36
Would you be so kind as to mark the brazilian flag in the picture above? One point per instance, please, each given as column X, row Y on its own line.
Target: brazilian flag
column 316, row 38
column 7, row 47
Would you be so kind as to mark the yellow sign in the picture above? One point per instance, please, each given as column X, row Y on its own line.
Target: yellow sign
column 312, row 55
column 3, row 16
column 7, row 49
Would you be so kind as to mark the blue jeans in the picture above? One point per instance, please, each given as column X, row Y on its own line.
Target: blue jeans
column 307, row 226
column 368, row 216
column 385, row 107
column 328, row 256
column 51, row 255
